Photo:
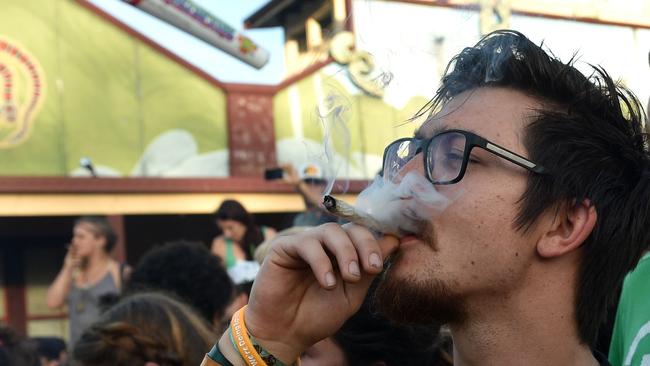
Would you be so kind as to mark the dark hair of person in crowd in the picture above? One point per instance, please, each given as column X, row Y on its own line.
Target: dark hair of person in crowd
column 141, row 328
column 189, row 271
column 101, row 227
column 590, row 136
column 233, row 210
column 51, row 350
column 369, row 339
column 16, row 350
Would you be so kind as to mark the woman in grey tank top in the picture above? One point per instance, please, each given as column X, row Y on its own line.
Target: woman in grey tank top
column 88, row 273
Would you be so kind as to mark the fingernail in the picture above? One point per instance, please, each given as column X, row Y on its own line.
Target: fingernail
column 330, row 280
column 353, row 267
column 375, row 261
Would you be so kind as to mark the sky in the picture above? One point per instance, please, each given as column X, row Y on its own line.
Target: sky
column 604, row 48
column 208, row 58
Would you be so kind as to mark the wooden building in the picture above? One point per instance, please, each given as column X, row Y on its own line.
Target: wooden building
column 169, row 141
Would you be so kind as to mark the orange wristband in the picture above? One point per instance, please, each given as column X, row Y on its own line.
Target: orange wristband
column 243, row 342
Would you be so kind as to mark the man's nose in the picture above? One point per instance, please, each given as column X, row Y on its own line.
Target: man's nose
column 414, row 165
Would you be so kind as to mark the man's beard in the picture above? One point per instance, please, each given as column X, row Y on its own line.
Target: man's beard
column 413, row 300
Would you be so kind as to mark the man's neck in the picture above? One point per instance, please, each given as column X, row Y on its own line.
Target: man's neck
column 534, row 326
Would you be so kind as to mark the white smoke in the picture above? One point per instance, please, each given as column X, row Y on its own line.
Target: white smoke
column 403, row 205
column 332, row 114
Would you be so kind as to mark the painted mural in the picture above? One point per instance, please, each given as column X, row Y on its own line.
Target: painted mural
column 326, row 119
column 21, row 77
column 75, row 85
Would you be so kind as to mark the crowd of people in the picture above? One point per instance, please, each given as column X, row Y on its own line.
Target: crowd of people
column 546, row 174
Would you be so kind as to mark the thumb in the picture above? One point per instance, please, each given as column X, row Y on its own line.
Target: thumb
column 388, row 245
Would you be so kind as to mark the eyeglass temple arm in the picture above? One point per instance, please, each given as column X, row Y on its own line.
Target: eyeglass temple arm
column 512, row 157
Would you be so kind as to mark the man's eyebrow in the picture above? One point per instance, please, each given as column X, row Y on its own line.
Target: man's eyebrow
column 439, row 128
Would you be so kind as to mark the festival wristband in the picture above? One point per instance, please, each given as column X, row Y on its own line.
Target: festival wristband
column 216, row 356
column 241, row 342
column 268, row 357
column 248, row 347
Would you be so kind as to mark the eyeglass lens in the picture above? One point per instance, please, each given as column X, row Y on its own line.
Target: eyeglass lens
column 444, row 157
column 398, row 154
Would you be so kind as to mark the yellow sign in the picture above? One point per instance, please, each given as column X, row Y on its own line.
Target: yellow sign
column 22, row 91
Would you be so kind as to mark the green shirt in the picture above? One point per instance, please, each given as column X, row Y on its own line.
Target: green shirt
column 230, row 260
column 631, row 335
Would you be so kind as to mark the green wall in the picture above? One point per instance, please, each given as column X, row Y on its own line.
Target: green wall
column 107, row 95
column 371, row 122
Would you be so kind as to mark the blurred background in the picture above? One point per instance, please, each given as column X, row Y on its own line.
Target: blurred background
column 154, row 114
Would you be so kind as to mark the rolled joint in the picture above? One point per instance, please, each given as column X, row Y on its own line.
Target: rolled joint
column 350, row 213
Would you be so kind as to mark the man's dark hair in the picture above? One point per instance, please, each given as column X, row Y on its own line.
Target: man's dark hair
column 590, row 134
column 101, row 227
column 187, row 270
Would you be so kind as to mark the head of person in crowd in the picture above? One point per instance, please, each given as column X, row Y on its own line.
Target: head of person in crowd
column 237, row 224
column 92, row 235
column 370, row 339
column 52, row 351
column 309, row 181
column 548, row 174
column 189, row 271
column 16, row 350
column 145, row 329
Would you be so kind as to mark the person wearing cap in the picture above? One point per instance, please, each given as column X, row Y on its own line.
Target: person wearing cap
column 310, row 184
column 187, row 270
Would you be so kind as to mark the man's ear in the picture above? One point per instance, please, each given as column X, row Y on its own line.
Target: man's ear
column 569, row 229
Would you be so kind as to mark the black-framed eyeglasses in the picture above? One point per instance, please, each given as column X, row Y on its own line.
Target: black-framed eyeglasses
column 446, row 155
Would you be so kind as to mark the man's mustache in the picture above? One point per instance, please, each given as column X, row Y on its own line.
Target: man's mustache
column 422, row 229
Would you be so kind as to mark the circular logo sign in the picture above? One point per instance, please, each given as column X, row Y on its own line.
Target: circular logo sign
column 22, row 91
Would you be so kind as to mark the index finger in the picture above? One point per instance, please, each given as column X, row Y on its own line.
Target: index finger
column 371, row 251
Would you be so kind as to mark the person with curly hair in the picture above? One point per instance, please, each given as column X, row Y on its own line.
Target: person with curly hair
column 189, row 271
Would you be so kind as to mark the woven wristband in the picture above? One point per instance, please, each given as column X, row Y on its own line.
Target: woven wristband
column 267, row 357
column 248, row 347
column 218, row 357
